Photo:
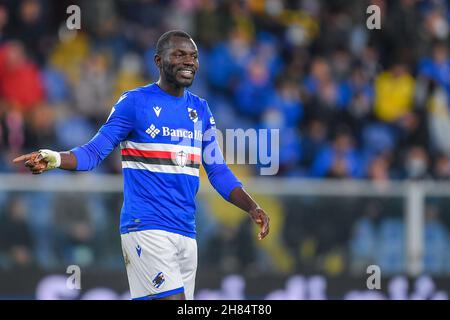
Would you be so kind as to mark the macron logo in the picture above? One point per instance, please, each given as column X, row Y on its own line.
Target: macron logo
column 157, row 110
column 139, row 250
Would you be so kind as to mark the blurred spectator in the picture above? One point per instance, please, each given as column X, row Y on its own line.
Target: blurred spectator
column 402, row 29
column 76, row 230
column 4, row 20
column 416, row 163
column 228, row 60
column 93, row 91
column 436, row 23
column 441, row 167
column 377, row 138
column 364, row 237
column 412, row 129
column 341, row 64
column 436, row 235
column 254, row 90
column 11, row 130
column 391, row 245
column 21, row 84
column 129, row 75
column 32, row 28
column 69, row 53
column 296, row 65
column 393, row 93
column 321, row 91
column 286, row 99
column 212, row 22
column 340, row 159
column 39, row 216
column 437, row 67
column 356, row 95
column 266, row 49
column 15, row 238
column 438, row 119
column 379, row 169
column 314, row 140
column 56, row 85
column 39, row 130
column 73, row 130
column 370, row 60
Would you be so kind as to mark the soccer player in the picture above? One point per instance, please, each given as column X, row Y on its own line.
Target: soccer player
column 161, row 173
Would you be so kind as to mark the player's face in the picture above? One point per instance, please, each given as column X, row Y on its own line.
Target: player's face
column 180, row 62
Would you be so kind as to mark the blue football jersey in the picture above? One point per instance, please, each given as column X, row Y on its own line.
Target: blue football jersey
column 163, row 141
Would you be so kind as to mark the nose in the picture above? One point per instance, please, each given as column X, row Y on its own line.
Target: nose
column 189, row 61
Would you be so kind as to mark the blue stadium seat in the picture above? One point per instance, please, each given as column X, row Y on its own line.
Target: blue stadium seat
column 435, row 250
column 363, row 242
column 391, row 249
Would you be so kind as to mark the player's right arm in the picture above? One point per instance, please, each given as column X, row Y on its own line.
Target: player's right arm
column 86, row 157
column 44, row 160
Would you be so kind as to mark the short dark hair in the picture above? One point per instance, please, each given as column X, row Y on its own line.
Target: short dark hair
column 164, row 40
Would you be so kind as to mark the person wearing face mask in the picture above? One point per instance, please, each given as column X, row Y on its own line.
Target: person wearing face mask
column 416, row 163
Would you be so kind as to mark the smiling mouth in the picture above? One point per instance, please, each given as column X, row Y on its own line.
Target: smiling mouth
column 186, row 73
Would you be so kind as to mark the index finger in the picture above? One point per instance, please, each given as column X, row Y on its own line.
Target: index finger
column 24, row 157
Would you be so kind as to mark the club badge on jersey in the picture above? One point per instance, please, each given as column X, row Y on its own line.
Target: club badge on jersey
column 181, row 158
column 193, row 114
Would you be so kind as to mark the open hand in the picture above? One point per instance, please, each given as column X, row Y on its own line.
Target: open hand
column 262, row 219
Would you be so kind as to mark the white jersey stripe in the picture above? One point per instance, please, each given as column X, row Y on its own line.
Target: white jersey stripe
column 160, row 168
column 160, row 147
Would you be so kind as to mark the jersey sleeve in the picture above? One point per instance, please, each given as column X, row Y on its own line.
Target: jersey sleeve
column 117, row 127
column 219, row 174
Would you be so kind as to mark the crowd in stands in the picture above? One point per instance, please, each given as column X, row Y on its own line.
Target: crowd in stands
column 350, row 103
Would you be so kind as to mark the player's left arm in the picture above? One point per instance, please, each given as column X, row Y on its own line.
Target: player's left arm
column 225, row 182
column 241, row 199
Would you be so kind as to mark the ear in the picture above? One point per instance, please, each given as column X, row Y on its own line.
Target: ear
column 157, row 59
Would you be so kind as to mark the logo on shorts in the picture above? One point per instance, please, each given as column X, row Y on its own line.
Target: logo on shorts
column 158, row 280
column 139, row 250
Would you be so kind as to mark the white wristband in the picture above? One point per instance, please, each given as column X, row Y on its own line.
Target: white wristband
column 53, row 158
